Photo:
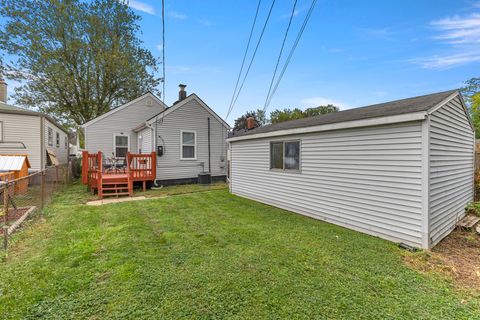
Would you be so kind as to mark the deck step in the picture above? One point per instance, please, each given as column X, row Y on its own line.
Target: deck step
column 468, row 222
column 118, row 188
column 116, row 194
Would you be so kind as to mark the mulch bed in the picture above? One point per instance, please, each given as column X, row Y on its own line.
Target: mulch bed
column 13, row 215
column 457, row 256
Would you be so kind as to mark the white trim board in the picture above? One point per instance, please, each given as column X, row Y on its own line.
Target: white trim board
column 123, row 106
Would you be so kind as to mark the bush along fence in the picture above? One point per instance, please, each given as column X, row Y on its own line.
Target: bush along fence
column 20, row 198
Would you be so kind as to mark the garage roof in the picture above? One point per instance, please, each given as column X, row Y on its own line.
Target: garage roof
column 392, row 108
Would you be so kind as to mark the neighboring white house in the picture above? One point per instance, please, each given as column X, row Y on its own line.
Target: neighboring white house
column 400, row 170
column 188, row 137
column 31, row 133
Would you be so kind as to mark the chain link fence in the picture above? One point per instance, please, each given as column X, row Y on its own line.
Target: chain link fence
column 23, row 197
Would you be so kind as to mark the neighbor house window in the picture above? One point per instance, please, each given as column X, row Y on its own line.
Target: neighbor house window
column 188, row 141
column 1, row 131
column 121, row 146
column 285, row 155
column 50, row 136
column 57, row 139
column 66, row 143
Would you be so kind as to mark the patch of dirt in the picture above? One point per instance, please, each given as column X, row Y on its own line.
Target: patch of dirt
column 457, row 257
column 13, row 215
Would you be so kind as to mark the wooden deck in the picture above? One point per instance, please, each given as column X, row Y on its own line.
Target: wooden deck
column 140, row 167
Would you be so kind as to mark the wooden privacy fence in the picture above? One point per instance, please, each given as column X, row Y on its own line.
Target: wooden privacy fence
column 23, row 196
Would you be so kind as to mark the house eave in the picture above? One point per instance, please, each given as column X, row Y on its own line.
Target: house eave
column 336, row 126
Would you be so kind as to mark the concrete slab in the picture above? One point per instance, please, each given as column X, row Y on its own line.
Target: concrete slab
column 114, row 200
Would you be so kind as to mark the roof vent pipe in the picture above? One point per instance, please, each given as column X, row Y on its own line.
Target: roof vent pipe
column 182, row 94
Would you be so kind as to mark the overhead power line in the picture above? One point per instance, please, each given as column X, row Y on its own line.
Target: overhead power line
column 252, row 59
column 280, row 54
column 163, row 49
column 292, row 50
column 244, row 57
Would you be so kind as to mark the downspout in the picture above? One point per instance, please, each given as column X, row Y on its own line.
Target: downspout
column 209, row 165
column 154, row 140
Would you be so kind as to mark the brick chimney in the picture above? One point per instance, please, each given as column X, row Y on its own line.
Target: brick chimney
column 3, row 91
column 250, row 123
column 182, row 94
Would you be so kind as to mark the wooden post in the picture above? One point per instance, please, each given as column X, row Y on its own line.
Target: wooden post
column 84, row 167
column 5, row 237
column 99, row 175
column 42, row 189
column 5, row 203
column 154, row 165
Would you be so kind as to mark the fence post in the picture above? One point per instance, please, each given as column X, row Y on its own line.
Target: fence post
column 5, row 203
column 42, row 189
column 5, row 237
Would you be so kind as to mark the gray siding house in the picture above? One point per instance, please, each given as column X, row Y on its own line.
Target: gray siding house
column 188, row 137
column 31, row 133
column 401, row 170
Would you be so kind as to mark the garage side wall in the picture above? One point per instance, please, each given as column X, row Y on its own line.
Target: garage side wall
column 451, row 168
column 366, row 179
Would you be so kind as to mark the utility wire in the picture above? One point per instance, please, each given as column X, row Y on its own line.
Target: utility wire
column 244, row 57
column 253, row 58
column 163, row 49
column 297, row 40
column 280, row 55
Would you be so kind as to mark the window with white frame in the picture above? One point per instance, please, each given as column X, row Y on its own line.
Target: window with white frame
column 57, row 139
column 121, row 146
column 1, row 131
column 50, row 136
column 285, row 155
column 189, row 145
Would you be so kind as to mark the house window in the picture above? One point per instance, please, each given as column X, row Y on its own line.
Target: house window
column 66, row 143
column 50, row 136
column 1, row 131
column 57, row 140
column 285, row 155
column 121, row 146
column 188, row 142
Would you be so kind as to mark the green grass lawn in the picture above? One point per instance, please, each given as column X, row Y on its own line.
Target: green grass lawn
column 210, row 255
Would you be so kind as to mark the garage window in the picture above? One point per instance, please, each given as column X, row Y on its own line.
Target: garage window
column 285, row 155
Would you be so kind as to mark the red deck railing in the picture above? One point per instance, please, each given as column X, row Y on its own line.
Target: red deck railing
column 140, row 167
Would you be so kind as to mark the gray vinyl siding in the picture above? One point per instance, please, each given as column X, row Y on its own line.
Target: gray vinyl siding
column 26, row 129
column 367, row 179
column 60, row 151
column 451, row 168
column 100, row 134
column 190, row 117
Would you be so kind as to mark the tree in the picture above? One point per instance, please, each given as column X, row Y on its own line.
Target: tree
column 258, row 115
column 76, row 59
column 277, row 116
column 471, row 92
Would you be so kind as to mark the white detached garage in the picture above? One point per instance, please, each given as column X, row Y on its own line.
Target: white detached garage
column 401, row 170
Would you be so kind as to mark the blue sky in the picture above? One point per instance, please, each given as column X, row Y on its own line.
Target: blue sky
column 353, row 53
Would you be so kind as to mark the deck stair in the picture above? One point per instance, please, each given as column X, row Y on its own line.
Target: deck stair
column 468, row 222
column 115, row 185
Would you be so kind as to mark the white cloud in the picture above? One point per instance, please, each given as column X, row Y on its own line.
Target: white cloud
column 176, row 15
column 447, row 61
column 141, row 6
column 322, row 101
column 459, row 30
column 205, row 22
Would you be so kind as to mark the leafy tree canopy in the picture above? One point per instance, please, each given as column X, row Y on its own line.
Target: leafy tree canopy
column 471, row 92
column 258, row 115
column 75, row 59
column 280, row 115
